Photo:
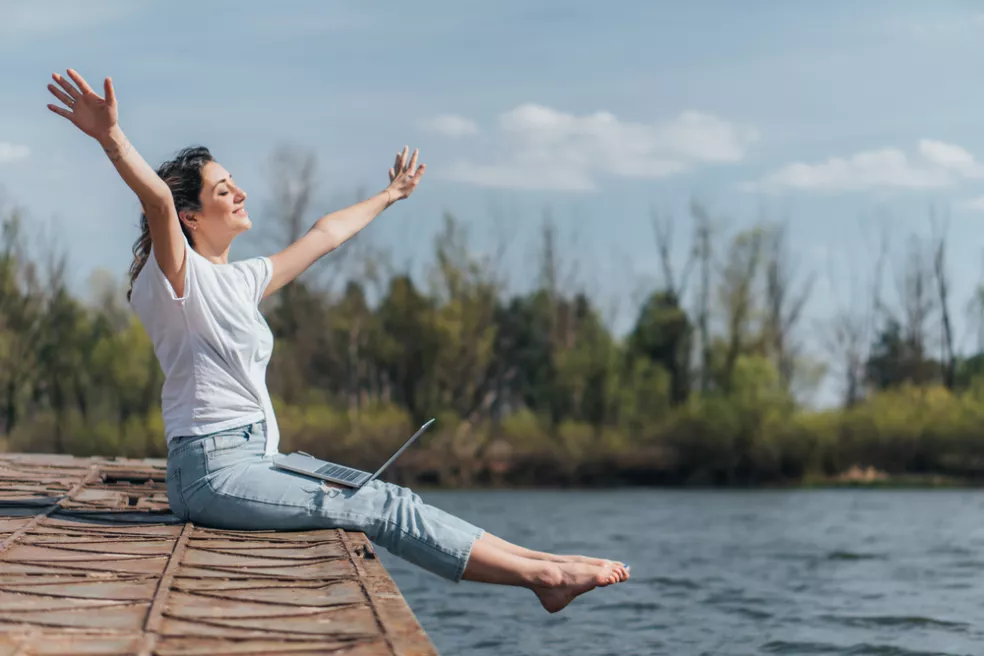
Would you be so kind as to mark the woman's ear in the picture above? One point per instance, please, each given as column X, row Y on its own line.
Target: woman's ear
column 188, row 219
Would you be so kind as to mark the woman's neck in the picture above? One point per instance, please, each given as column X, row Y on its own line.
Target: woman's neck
column 214, row 252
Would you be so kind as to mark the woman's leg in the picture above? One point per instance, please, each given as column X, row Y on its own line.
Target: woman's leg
column 235, row 487
column 509, row 547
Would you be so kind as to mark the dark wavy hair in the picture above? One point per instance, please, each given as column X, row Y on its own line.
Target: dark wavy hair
column 183, row 176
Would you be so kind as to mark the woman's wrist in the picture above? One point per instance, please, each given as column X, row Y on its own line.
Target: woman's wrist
column 114, row 143
column 111, row 136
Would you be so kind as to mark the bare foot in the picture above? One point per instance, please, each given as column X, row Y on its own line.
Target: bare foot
column 584, row 559
column 574, row 580
column 587, row 560
column 621, row 568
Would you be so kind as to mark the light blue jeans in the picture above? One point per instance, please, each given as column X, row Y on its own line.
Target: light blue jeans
column 224, row 481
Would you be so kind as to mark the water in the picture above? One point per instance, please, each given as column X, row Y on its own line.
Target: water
column 857, row 572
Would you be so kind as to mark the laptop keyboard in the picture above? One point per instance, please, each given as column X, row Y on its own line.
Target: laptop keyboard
column 338, row 472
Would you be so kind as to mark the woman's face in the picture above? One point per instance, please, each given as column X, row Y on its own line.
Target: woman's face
column 223, row 213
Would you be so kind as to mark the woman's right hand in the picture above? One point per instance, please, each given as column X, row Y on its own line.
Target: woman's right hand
column 90, row 113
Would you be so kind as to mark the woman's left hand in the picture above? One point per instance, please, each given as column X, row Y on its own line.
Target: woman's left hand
column 405, row 175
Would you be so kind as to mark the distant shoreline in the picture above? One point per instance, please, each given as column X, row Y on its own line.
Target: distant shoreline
column 929, row 481
column 423, row 473
column 893, row 483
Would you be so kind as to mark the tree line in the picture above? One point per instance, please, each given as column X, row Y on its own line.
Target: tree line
column 533, row 387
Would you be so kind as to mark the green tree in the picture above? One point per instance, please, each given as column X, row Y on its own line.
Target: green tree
column 663, row 335
column 409, row 346
column 896, row 359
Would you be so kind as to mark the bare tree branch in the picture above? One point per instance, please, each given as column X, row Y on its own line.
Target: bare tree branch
column 663, row 233
column 737, row 294
column 784, row 306
column 939, row 228
column 705, row 256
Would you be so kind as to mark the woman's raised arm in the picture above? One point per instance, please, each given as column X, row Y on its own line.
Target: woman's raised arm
column 98, row 117
column 333, row 230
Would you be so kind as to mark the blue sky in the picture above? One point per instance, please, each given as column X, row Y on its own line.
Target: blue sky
column 842, row 118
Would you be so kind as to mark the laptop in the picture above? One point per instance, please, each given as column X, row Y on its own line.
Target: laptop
column 303, row 463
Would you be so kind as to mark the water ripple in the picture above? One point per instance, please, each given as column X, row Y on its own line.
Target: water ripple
column 671, row 582
column 866, row 649
column 854, row 555
column 799, row 648
column 894, row 621
column 824, row 648
column 631, row 605
column 751, row 613
column 487, row 644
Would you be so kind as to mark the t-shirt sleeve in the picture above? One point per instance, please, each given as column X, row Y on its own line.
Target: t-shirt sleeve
column 257, row 271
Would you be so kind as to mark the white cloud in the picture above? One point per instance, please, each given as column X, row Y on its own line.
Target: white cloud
column 451, row 125
column 10, row 152
column 934, row 164
column 543, row 148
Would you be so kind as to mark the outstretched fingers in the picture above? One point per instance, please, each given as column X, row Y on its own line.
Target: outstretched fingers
column 72, row 92
column 61, row 112
column 405, row 173
column 109, row 91
column 398, row 164
column 80, row 81
column 61, row 95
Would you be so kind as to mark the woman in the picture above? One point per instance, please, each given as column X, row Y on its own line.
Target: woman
column 201, row 312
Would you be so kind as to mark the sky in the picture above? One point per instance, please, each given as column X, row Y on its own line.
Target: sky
column 844, row 120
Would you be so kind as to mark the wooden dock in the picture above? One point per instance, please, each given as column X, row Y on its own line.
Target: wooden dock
column 93, row 562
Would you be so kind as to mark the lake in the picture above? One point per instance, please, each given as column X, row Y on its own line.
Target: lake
column 860, row 572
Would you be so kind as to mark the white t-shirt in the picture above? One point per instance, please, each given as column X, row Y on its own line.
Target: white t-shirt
column 212, row 343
